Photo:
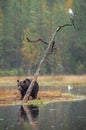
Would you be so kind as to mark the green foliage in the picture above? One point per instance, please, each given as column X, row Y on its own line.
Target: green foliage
column 11, row 72
column 39, row 19
column 29, row 52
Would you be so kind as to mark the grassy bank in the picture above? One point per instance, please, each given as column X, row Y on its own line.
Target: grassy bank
column 13, row 96
column 62, row 80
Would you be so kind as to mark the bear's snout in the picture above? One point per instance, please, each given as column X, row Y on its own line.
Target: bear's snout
column 19, row 88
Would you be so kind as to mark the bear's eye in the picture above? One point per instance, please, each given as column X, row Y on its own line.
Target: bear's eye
column 24, row 81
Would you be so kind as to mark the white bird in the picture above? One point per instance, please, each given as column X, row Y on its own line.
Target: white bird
column 72, row 15
column 71, row 12
column 69, row 88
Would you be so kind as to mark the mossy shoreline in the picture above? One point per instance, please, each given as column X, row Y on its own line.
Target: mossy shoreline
column 64, row 97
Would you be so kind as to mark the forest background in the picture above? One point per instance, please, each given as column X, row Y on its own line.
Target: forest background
column 39, row 19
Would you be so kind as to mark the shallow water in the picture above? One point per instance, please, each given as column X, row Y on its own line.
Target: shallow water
column 53, row 116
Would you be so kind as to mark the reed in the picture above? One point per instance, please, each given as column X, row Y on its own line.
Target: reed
column 62, row 80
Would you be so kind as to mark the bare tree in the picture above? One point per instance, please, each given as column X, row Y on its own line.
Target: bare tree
column 45, row 54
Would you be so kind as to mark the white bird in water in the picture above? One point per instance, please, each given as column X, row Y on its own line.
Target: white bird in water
column 69, row 88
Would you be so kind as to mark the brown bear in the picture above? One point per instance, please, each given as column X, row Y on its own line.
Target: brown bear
column 24, row 85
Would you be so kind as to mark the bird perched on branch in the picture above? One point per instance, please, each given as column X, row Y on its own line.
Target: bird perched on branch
column 72, row 15
column 71, row 12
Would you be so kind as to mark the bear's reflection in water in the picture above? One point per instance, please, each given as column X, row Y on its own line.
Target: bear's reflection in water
column 28, row 113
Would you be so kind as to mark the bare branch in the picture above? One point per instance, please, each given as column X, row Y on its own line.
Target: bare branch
column 36, row 40
column 60, row 27
column 52, row 46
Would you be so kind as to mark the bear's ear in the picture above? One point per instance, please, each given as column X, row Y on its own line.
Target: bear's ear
column 17, row 80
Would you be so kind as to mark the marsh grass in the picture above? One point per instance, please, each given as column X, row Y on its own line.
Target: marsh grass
column 62, row 80
column 8, row 97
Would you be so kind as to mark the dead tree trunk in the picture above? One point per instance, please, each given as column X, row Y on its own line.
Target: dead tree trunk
column 45, row 54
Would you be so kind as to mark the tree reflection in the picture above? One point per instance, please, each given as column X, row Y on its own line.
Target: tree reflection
column 29, row 113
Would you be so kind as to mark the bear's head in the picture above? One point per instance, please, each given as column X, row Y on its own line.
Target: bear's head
column 23, row 85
